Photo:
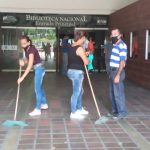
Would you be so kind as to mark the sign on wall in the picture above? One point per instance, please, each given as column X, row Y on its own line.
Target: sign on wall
column 51, row 20
column 9, row 47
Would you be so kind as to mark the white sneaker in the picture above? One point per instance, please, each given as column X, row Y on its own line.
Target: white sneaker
column 44, row 106
column 76, row 116
column 83, row 112
column 35, row 112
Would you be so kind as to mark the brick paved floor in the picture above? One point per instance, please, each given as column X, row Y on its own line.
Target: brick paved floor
column 55, row 131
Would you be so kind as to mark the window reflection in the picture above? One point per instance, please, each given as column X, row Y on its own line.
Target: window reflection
column 147, row 50
column 134, row 45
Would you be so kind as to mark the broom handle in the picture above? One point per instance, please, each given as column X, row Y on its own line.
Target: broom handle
column 98, row 111
column 18, row 91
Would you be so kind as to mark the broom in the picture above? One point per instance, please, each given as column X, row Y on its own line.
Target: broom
column 102, row 119
column 11, row 123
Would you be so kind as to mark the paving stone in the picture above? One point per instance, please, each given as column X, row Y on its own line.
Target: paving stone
column 108, row 140
column 112, row 145
column 132, row 149
column 95, row 145
column 26, row 141
column 60, row 146
column 54, row 130
column 57, row 141
column 129, row 145
column 78, row 140
column 43, row 146
column 124, row 139
column 77, row 145
column 114, row 148
column 25, row 147
column 43, row 141
column 72, row 136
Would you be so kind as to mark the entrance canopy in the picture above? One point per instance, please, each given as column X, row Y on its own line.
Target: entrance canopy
column 105, row 7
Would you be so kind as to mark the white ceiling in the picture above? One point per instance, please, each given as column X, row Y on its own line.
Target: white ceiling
column 64, row 6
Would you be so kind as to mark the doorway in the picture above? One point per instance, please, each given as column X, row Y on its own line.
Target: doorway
column 65, row 36
column 44, row 39
column 99, row 37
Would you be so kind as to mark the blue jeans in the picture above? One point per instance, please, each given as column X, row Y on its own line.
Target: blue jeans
column 76, row 76
column 39, row 91
column 64, row 63
column 117, row 93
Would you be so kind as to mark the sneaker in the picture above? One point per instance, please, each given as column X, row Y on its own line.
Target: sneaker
column 35, row 112
column 44, row 106
column 76, row 116
column 82, row 112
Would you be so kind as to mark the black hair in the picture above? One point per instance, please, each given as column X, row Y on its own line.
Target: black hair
column 26, row 38
column 120, row 32
column 78, row 35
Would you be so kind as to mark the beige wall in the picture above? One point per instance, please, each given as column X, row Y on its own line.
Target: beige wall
column 63, row 6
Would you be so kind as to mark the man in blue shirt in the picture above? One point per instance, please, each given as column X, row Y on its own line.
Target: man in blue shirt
column 64, row 50
column 117, row 75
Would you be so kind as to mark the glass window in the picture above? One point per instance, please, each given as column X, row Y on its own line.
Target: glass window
column 134, row 45
column 147, row 47
column 44, row 39
column 9, row 46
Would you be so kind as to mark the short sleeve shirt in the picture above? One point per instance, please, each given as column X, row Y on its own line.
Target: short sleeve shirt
column 34, row 51
column 119, row 52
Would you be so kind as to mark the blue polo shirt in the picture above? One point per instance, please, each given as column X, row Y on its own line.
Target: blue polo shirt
column 119, row 52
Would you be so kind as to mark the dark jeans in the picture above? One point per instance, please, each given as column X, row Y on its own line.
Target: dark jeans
column 64, row 63
column 117, row 93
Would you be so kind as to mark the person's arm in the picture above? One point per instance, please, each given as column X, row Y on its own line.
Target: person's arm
column 23, row 62
column 80, row 52
column 29, row 67
column 121, row 67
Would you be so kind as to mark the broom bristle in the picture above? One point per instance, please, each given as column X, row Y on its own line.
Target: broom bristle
column 11, row 123
column 101, row 120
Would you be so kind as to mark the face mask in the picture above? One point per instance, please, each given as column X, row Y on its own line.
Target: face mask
column 114, row 39
column 26, row 47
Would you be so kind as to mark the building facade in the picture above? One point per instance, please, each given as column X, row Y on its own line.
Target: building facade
column 134, row 21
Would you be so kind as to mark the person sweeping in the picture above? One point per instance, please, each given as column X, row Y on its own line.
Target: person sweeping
column 33, row 60
column 76, row 60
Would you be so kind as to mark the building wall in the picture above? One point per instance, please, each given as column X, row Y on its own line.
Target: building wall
column 135, row 17
column 63, row 7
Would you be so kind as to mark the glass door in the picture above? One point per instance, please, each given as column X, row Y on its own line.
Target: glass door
column 98, row 36
column 9, row 47
column 44, row 39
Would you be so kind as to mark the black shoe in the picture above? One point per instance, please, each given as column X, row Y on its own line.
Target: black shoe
column 120, row 116
column 112, row 114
